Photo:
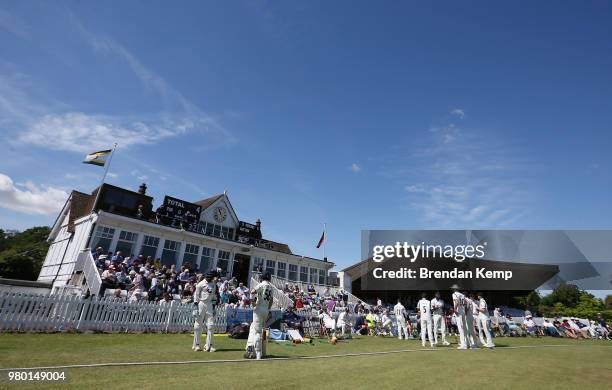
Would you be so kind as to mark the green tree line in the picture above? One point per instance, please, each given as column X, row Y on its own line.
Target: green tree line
column 22, row 254
column 567, row 300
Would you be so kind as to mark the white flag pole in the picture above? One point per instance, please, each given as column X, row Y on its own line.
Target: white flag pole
column 324, row 240
column 107, row 166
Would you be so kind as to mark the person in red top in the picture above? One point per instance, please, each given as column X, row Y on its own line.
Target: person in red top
column 298, row 303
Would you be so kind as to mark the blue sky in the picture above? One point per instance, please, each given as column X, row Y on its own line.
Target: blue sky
column 364, row 116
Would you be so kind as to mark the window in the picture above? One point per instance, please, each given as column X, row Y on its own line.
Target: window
column 223, row 261
column 304, row 274
column 103, row 237
column 230, row 234
column 170, row 252
column 206, row 261
column 292, row 272
column 224, row 232
column 322, row 273
column 209, row 229
column 149, row 246
column 313, row 277
column 258, row 263
column 191, row 254
column 126, row 243
column 281, row 271
column 270, row 265
column 217, row 231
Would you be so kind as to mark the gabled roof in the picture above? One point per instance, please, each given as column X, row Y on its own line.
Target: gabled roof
column 80, row 205
column 206, row 203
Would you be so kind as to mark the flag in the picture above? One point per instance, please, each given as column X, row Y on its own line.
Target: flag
column 321, row 240
column 97, row 158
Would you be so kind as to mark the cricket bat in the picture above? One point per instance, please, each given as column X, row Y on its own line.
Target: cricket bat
column 264, row 342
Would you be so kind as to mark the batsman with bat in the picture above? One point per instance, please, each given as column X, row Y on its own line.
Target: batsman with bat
column 261, row 312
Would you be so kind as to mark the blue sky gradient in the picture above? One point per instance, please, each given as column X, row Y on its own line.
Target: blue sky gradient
column 364, row 116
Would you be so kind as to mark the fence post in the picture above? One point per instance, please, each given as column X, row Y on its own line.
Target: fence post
column 170, row 311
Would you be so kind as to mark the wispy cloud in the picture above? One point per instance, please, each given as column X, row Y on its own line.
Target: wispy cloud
column 463, row 179
column 30, row 199
column 35, row 119
column 458, row 112
column 99, row 131
column 355, row 168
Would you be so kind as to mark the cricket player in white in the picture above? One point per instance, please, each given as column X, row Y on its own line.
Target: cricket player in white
column 387, row 324
column 343, row 323
column 424, row 308
column 459, row 309
column 263, row 304
column 470, row 330
column 205, row 299
column 437, row 308
column 483, row 319
column 400, row 318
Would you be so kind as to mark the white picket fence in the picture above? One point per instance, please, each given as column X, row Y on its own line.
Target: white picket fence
column 34, row 312
column 280, row 299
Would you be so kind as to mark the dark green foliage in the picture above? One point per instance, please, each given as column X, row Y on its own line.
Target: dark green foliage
column 22, row 254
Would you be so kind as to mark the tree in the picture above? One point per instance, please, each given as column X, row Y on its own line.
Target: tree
column 568, row 294
column 22, row 254
column 529, row 302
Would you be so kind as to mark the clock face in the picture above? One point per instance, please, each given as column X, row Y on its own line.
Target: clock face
column 220, row 213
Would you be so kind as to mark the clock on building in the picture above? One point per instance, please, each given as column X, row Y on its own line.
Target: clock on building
column 219, row 214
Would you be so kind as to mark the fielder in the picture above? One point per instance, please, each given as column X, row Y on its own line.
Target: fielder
column 483, row 321
column 459, row 313
column 471, row 312
column 343, row 323
column 205, row 299
column 400, row 317
column 424, row 308
column 261, row 312
column 437, row 308
column 386, row 324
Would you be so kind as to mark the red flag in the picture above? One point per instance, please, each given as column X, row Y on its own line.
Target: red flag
column 321, row 240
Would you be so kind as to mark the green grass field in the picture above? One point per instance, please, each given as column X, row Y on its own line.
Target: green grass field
column 583, row 363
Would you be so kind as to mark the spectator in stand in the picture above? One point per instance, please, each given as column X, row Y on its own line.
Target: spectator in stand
column 567, row 329
column 117, row 258
column 602, row 327
column 97, row 252
column 580, row 328
column 299, row 304
column 109, row 280
column 529, row 326
column 123, row 280
column 550, row 329
column 311, row 290
column 184, row 275
column 101, row 262
column 140, row 212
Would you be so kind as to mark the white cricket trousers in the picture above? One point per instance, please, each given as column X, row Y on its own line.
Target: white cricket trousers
column 462, row 328
column 484, row 328
column 402, row 327
column 257, row 326
column 205, row 316
column 471, row 333
column 438, row 321
column 426, row 327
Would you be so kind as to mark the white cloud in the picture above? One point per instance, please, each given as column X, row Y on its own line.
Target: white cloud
column 459, row 112
column 355, row 168
column 36, row 119
column 79, row 132
column 32, row 199
column 458, row 179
